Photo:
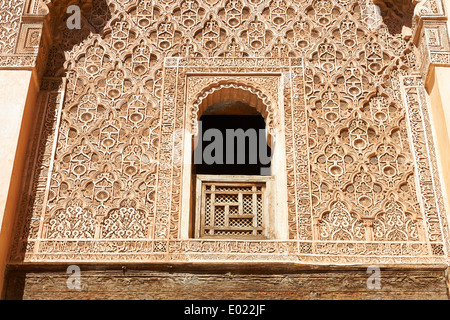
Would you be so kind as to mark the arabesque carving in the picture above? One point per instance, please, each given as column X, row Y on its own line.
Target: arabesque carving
column 360, row 168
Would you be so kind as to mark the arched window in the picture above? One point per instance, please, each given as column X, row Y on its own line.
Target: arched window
column 232, row 177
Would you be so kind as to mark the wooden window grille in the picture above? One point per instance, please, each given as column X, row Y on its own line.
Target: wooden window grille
column 231, row 209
